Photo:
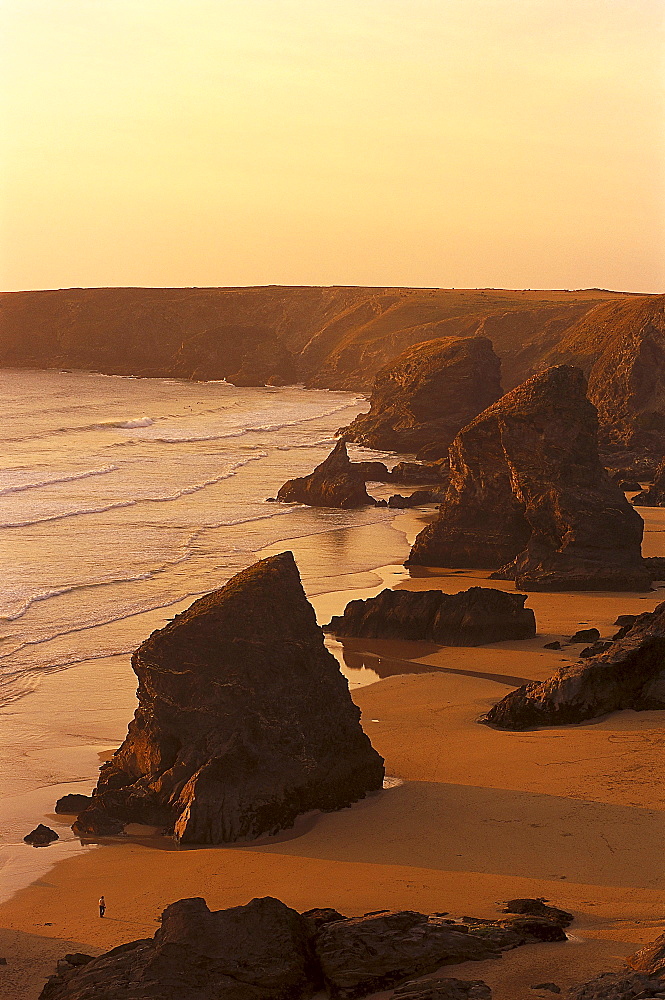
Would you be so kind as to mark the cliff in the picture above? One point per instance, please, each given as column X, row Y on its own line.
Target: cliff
column 528, row 492
column 244, row 720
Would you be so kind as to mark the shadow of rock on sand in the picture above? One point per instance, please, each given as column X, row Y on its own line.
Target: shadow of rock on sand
column 486, row 830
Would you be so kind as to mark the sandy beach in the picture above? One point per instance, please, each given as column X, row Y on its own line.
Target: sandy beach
column 471, row 815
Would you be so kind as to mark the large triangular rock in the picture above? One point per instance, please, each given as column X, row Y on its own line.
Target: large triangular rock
column 336, row 482
column 527, row 488
column 244, row 720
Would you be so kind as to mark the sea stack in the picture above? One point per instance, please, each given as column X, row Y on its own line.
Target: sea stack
column 336, row 482
column 528, row 493
column 422, row 398
column 244, row 720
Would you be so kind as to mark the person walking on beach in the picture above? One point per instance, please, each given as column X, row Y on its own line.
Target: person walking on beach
column 102, row 906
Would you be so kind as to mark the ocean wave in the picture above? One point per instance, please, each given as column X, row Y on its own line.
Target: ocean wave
column 120, row 504
column 54, row 480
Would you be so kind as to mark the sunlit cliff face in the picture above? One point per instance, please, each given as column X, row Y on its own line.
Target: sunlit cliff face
column 409, row 142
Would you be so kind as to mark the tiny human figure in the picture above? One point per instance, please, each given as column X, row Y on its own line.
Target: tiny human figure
column 102, row 906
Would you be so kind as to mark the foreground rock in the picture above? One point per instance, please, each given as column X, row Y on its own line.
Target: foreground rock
column 244, row 720
column 538, row 908
column 650, row 959
column 620, row 986
column 372, row 953
column 41, row 836
column 630, row 674
column 421, row 399
column 470, row 618
column 255, row 952
column 444, row 989
column 72, row 804
column 654, row 495
column 336, row 482
column 528, row 493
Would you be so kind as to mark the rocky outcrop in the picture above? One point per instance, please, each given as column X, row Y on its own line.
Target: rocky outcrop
column 419, row 473
column 372, row 953
column 41, row 836
column 72, row 804
column 650, row 959
column 244, row 720
column 470, row 618
column 538, row 908
column 654, row 495
column 259, row 951
column 528, row 493
column 620, row 986
column 421, row 399
column 334, row 483
column 415, row 499
column 630, row 674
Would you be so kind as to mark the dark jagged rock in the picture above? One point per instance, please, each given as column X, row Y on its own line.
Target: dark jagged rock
column 72, row 804
column 527, row 487
column 41, row 836
column 415, row 499
column 422, row 398
column 595, row 648
column 444, row 989
column 536, row 928
column 372, row 953
column 654, row 495
column 244, row 720
column 319, row 916
column 552, row 645
column 655, row 567
column 620, row 986
column 629, row 485
column 471, row 618
column 259, row 951
column 626, row 620
column 420, row 473
column 538, row 908
column 629, row 675
column 650, row 959
column 334, row 483
column 585, row 635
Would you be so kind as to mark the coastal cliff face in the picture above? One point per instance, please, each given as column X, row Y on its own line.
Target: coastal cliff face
column 528, row 492
column 425, row 396
column 629, row 674
column 244, row 720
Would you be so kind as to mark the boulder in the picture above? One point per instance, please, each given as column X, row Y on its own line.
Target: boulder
column 41, row 836
column 260, row 951
column 619, row 986
column 244, row 720
column 371, row 472
column 444, row 989
column 629, row 485
column 650, row 959
column 422, row 398
column 585, row 635
column 471, row 618
column 630, row 674
column 654, row 495
column 334, row 483
column 72, row 804
column 372, row 953
column 527, row 488
column 538, row 908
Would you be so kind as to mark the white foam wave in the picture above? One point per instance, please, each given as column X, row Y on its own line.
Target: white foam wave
column 54, row 480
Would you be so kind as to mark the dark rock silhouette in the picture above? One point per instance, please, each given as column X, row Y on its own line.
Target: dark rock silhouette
column 654, row 495
column 444, row 989
column 334, row 483
column 415, row 499
column 72, row 804
column 650, row 959
column 527, row 489
column 244, row 720
column 630, row 674
column 421, row 399
column 421, row 473
column 538, row 908
column 41, row 836
column 585, row 635
column 255, row 952
column 620, row 986
column 372, row 953
column 470, row 618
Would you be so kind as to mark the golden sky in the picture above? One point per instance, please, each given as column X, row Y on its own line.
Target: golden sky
column 464, row 143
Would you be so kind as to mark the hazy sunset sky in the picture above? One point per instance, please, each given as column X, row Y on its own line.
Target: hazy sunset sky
column 466, row 143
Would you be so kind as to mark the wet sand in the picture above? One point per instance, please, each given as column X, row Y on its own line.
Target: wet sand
column 473, row 815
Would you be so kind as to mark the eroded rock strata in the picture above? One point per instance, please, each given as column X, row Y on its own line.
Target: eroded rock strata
column 528, row 493
column 421, row 399
column 473, row 617
column 629, row 674
column 244, row 720
column 336, row 482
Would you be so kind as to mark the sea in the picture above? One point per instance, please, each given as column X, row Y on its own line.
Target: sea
column 121, row 496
